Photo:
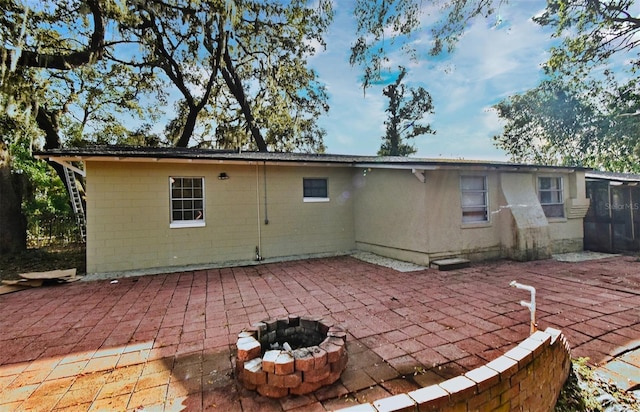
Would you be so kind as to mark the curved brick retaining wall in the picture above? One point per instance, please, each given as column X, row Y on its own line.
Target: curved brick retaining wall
column 528, row 377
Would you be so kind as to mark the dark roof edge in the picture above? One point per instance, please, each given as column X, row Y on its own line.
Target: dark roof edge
column 613, row 176
column 132, row 152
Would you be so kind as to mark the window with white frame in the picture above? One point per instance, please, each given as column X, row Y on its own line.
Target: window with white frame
column 475, row 207
column 315, row 189
column 551, row 196
column 187, row 201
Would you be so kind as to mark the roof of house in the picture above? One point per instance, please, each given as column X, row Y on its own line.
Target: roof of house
column 612, row 176
column 172, row 154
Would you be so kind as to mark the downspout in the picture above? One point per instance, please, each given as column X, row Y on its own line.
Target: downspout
column 259, row 247
column 264, row 171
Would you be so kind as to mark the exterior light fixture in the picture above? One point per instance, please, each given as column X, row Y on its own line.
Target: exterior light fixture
column 223, row 176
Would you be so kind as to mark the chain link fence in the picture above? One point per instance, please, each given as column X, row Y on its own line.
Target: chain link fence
column 48, row 230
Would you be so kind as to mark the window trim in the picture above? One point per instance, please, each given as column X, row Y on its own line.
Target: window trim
column 186, row 223
column 560, row 190
column 316, row 199
column 485, row 191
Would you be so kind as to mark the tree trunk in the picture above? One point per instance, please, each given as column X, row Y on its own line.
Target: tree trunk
column 13, row 224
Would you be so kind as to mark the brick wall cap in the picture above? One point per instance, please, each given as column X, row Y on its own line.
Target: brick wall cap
column 541, row 336
column 534, row 345
column 481, row 374
column 457, row 384
column 428, row 394
column 554, row 333
column 394, row 403
column 519, row 354
column 363, row 407
column 502, row 364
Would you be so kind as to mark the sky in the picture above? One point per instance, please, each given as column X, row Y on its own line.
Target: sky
column 496, row 58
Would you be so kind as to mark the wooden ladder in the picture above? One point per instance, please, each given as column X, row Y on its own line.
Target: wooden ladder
column 76, row 202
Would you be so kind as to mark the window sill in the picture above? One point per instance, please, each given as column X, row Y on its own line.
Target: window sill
column 187, row 223
column 556, row 219
column 475, row 225
column 315, row 199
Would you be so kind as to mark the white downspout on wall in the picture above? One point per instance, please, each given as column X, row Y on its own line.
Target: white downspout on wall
column 259, row 247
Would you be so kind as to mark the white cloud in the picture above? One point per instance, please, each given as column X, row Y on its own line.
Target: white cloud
column 488, row 64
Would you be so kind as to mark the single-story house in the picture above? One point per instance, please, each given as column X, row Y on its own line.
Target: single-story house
column 165, row 207
column 612, row 223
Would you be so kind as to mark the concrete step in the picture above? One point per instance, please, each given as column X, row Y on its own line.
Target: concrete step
column 450, row 264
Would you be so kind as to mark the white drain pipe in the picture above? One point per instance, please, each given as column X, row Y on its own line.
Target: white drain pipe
column 531, row 305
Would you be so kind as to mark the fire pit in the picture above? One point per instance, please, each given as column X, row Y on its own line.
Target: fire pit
column 294, row 355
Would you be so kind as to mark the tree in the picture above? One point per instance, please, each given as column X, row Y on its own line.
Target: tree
column 71, row 68
column 52, row 59
column 13, row 224
column 407, row 106
column 581, row 114
column 557, row 123
column 383, row 25
column 584, row 113
column 591, row 32
column 238, row 62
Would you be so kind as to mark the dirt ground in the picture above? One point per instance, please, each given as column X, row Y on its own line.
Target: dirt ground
column 42, row 259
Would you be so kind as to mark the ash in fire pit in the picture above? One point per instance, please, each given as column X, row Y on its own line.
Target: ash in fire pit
column 290, row 356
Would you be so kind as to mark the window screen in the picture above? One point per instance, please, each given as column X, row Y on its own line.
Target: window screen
column 315, row 188
column 474, row 199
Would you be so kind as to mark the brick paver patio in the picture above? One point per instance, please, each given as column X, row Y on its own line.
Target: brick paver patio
column 166, row 342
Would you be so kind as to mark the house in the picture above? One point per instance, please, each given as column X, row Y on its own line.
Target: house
column 612, row 223
column 167, row 207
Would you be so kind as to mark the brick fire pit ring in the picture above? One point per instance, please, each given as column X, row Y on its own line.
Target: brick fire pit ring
column 294, row 355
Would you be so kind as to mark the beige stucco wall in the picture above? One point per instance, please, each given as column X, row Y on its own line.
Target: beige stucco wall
column 386, row 211
column 422, row 221
column 128, row 215
column 400, row 217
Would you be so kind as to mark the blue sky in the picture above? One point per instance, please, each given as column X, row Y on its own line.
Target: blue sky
column 492, row 61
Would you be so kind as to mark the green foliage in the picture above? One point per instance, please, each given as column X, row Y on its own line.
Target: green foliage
column 240, row 68
column 384, row 26
column 591, row 32
column 586, row 392
column 45, row 198
column 407, row 107
column 558, row 123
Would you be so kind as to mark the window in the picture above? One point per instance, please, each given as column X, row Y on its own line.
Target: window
column 551, row 197
column 315, row 190
column 474, row 199
column 187, row 201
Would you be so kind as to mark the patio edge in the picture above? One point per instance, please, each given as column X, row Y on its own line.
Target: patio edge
column 530, row 375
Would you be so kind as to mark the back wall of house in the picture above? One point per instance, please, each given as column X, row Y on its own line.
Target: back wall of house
column 128, row 214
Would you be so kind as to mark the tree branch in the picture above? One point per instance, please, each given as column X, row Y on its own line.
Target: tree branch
column 92, row 53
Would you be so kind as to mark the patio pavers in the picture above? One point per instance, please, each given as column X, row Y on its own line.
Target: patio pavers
column 166, row 342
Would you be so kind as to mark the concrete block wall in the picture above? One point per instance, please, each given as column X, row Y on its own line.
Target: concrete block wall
column 528, row 377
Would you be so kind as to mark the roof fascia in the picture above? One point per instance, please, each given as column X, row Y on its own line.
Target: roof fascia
column 177, row 160
column 409, row 165
column 467, row 166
